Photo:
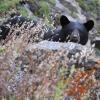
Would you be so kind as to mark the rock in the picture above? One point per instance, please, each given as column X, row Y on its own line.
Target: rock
column 50, row 45
column 52, row 51
column 38, row 59
column 71, row 9
column 97, row 42
column 31, row 7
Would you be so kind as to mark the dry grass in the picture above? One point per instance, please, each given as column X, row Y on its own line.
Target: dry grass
column 40, row 74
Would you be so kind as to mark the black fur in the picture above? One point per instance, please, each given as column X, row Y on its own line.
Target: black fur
column 71, row 31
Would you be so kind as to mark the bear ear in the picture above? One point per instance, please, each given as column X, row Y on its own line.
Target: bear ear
column 89, row 25
column 64, row 20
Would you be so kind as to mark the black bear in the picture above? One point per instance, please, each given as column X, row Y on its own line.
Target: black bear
column 71, row 31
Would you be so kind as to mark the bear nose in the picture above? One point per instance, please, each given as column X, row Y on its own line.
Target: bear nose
column 75, row 37
column 75, row 33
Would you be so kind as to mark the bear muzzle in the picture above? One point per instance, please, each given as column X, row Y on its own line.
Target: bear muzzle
column 75, row 37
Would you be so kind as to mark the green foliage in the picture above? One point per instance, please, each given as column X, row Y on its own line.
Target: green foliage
column 58, row 91
column 23, row 11
column 53, row 2
column 74, row 14
column 2, row 50
column 44, row 11
column 10, row 98
column 44, row 8
column 88, row 5
column 6, row 5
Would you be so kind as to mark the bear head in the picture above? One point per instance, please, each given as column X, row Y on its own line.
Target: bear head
column 75, row 31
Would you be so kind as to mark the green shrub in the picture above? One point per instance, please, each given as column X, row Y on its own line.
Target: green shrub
column 53, row 2
column 22, row 11
column 88, row 5
column 44, row 8
column 6, row 5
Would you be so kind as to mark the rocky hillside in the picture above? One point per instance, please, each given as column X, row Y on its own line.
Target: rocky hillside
column 76, row 10
column 34, row 69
